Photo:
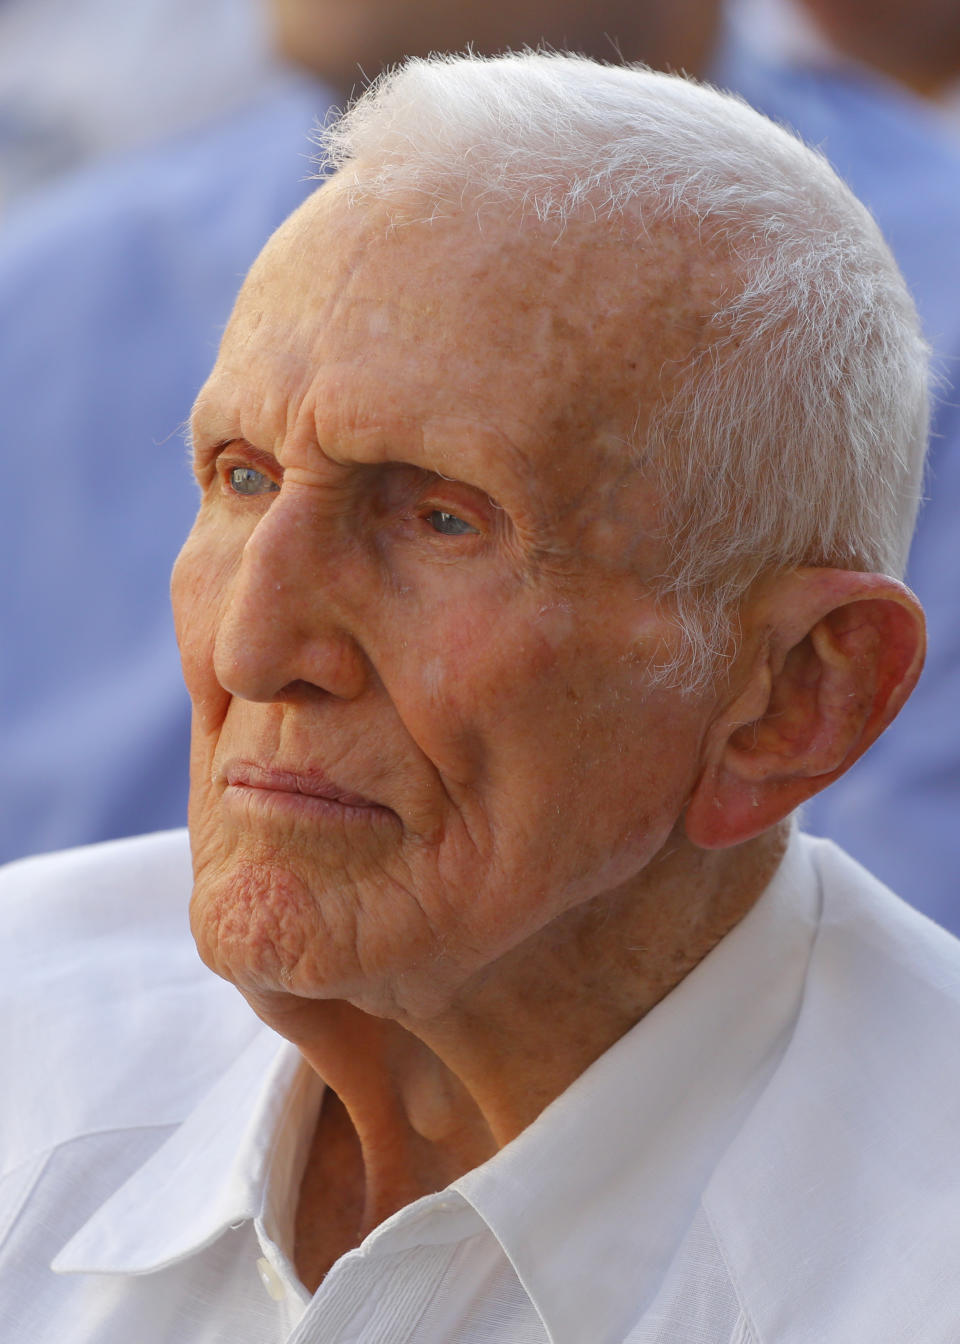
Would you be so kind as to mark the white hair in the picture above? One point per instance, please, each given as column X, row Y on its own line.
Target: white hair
column 795, row 435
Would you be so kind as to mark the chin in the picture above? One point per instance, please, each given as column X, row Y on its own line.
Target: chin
column 266, row 930
column 257, row 925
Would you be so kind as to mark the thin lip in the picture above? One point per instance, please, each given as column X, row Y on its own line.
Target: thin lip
column 309, row 783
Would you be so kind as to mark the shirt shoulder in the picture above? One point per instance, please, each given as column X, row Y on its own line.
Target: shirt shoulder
column 866, row 928
column 111, row 1020
column 838, row 1205
column 81, row 891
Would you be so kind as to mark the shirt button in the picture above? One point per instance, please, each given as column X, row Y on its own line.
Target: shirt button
column 271, row 1280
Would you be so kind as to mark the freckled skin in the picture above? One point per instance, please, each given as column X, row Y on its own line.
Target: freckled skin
column 488, row 691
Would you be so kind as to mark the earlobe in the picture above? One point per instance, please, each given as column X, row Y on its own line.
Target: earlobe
column 827, row 661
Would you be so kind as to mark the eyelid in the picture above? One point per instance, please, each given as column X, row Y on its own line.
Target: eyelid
column 239, row 453
column 466, row 502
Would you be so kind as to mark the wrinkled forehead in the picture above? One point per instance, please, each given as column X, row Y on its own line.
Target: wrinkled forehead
column 569, row 334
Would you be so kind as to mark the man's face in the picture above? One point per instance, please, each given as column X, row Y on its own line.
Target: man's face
column 415, row 611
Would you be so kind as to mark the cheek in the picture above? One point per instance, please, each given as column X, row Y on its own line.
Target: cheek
column 467, row 675
column 200, row 577
column 487, row 688
column 552, row 721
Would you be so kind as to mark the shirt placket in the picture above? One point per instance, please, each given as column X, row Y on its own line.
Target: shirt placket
column 374, row 1299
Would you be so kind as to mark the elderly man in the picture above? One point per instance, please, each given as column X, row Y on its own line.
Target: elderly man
column 555, row 469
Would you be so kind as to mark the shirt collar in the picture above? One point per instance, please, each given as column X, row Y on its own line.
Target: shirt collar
column 234, row 1158
column 644, row 1127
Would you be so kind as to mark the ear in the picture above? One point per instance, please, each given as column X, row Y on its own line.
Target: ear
column 827, row 660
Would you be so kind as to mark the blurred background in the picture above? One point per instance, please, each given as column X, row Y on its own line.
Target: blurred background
column 146, row 153
column 84, row 79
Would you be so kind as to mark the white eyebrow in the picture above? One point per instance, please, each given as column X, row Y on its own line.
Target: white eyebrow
column 185, row 431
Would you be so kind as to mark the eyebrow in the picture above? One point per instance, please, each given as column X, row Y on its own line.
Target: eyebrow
column 204, row 452
column 184, row 432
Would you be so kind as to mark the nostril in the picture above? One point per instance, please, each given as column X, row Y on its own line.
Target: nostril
column 300, row 691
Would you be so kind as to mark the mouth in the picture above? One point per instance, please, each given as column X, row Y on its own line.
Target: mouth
column 308, row 791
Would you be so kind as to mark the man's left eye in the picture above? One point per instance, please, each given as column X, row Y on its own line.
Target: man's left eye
column 448, row 524
column 249, row 481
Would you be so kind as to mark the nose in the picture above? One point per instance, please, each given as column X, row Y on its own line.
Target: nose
column 284, row 628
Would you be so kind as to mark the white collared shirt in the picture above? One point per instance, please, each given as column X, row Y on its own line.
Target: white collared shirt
column 769, row 1157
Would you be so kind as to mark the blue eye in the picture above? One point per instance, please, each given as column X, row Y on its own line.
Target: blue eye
column 448, row 524
column 249, row 481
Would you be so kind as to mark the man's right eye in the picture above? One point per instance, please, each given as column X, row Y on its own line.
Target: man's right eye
column 249, row 481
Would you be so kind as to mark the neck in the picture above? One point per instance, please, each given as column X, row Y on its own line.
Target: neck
column 423, row 1101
